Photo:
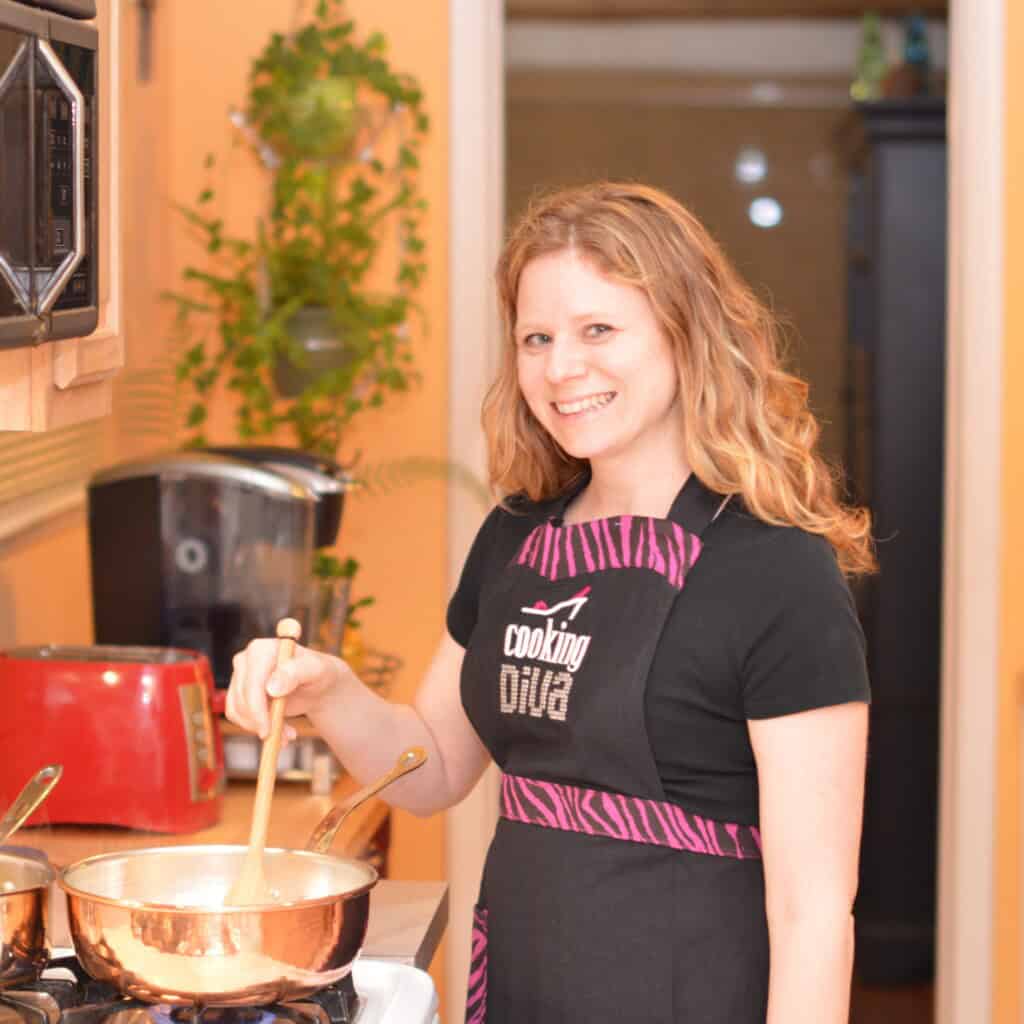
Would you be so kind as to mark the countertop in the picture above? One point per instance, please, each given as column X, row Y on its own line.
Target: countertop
column 294, row 813
column 407, row 919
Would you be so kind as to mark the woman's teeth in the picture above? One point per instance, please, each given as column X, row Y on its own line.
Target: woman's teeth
column 583, row 404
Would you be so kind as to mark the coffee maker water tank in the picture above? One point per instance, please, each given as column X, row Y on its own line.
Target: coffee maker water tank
column 327, row 479
column 200, row 551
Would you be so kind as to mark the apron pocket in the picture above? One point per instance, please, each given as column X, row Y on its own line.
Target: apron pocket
column 476, row 993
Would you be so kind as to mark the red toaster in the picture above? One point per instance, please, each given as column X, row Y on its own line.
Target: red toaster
column 132, row 727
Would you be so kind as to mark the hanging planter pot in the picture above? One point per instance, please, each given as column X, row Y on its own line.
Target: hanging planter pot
column 313, row 332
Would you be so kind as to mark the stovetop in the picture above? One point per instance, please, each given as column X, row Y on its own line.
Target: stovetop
column 67, row 995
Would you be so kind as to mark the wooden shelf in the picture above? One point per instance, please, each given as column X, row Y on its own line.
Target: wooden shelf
column 595, row 9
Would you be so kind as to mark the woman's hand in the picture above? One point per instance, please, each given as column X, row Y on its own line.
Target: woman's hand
column 309, row 680
column 363, row 729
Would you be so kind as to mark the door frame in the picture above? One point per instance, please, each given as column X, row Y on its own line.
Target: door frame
column 971, row 564
column 476, row 203
column 967, row 783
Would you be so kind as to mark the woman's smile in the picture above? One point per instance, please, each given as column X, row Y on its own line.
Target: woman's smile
column 578, row 407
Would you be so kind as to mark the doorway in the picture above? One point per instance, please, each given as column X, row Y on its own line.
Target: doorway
column 963, row 985
column 749, row 123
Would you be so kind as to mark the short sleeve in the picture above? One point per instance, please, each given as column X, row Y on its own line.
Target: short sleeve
column 805, row 646
column 461, row 617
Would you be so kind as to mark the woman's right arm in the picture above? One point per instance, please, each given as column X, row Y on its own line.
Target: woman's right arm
column 364, row 730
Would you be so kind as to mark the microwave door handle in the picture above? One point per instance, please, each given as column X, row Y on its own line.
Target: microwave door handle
column 49, row 295
column 9, row 274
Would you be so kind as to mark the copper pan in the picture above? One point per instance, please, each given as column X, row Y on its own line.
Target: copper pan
column 25, row 880
column 24, row 886
column 153, row 922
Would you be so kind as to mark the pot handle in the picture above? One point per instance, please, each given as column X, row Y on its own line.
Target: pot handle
column 36, row 790
column 324, row 833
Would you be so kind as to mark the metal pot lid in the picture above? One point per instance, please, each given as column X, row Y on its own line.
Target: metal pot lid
column 102, row 653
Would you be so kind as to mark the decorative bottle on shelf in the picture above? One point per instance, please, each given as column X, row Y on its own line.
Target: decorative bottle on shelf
column 913, row 76
column 916, row 57
column 870, row 61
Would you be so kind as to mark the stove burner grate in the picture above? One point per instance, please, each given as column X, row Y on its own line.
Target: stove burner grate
column 85, row 1001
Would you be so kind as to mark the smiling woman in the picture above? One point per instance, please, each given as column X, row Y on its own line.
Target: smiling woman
column 644, row 435
column 651, row 637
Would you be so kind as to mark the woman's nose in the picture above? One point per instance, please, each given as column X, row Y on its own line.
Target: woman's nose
column 565, row 360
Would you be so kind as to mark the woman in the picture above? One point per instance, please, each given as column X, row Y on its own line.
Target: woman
column 652, row 637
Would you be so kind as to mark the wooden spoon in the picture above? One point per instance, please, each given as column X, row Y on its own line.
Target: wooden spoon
column 250, row 887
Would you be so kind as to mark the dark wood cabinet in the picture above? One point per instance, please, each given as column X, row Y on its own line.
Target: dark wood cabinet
column 896, row 316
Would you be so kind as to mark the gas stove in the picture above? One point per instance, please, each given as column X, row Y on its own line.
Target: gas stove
column 376, row 992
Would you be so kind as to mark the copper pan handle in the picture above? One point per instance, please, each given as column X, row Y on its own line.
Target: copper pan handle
column 324, row 833
column 36, row 790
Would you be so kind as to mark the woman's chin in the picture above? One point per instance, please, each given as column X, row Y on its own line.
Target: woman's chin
column 577, row 449
column 585, row 440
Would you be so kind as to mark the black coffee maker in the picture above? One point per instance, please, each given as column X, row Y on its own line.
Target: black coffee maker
column 327, row 479
column 207, row 550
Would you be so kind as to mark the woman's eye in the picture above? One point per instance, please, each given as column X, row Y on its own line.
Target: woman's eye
column 535, row 340
column 597, row 330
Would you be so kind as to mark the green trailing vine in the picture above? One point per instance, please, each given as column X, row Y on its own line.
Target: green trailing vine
column 328, row 567
column 340, row 133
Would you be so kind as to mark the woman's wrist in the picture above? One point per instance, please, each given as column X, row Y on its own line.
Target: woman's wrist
column 811, row 967
column 336, row 688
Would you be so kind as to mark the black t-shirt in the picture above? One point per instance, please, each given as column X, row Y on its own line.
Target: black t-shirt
column 764, row 626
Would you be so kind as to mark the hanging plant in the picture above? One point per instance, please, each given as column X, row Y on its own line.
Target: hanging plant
column 340, row 132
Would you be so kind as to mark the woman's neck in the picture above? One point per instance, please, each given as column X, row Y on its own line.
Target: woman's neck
column 628, row 491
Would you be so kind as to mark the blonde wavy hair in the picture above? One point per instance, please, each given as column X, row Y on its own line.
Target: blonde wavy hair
column 747, row 428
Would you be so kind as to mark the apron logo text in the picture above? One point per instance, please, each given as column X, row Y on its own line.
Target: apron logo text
column 527, row 692
column 531, row 689
column 550, row 645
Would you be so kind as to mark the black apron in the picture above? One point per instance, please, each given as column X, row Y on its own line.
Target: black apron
column 600, row 900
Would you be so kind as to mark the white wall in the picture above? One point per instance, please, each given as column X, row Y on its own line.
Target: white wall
column 751, row 45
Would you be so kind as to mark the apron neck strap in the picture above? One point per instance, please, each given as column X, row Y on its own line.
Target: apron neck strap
column 696, row 507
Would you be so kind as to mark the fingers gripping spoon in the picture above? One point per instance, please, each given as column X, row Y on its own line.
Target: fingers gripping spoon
column 251, row 886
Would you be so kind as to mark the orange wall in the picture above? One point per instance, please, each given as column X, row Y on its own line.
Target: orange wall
column 398, row 537
column 44, row 584
column 1008, row 924
column 200, row 62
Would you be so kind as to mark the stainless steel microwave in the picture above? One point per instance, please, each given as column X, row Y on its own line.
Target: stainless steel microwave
column 49, row 257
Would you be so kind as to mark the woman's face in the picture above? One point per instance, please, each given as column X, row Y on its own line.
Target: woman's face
column 594, row 366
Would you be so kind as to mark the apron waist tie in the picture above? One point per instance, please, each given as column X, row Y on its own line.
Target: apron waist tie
column 597, row 813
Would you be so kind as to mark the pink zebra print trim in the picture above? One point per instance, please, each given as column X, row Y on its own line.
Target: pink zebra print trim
column 476, row 995
column 596, row 813
column 628, row 542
